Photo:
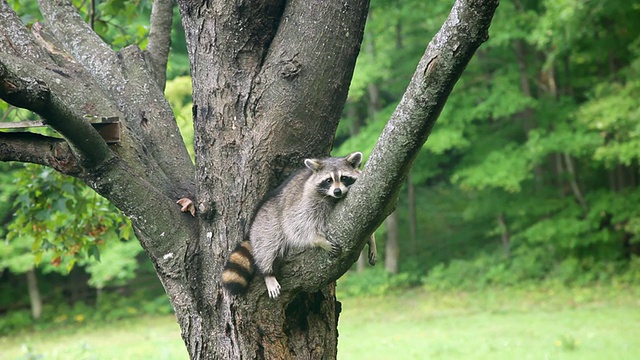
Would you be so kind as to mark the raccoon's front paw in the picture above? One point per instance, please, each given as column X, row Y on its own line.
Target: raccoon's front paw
column 335, row 249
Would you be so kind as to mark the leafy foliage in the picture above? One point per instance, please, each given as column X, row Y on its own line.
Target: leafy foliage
column 376, row 282
column 58, row 222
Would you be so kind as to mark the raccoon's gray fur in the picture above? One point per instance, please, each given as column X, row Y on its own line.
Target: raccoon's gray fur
column 293, row 216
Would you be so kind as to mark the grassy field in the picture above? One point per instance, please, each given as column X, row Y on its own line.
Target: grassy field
column 591, row 323
column 131, row 339
column 581, row 324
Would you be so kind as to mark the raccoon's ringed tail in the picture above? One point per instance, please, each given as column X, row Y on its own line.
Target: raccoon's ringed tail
column 239, row 270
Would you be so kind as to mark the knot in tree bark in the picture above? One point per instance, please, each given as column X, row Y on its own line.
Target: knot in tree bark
column 289, row 69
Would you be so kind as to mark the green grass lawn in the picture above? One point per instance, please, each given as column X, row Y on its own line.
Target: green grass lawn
column 131, row 339
column 591, row 323
column 579, row 324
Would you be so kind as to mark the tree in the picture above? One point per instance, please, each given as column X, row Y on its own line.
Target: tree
column 269, row 81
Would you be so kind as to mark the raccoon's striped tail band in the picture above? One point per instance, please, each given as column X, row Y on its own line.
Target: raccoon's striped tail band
column 239, row 270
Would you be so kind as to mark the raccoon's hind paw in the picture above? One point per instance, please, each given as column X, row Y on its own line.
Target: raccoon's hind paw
column 273, row 287
column 373, row 252
column 372, row 258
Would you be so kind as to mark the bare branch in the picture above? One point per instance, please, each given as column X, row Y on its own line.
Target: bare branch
column 38, row 149
column 160, row 38
column 442, row 64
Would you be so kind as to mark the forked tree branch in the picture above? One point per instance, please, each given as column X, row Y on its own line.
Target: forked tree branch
column 148, row 120
column 30, row 79
column 27, row 86
column 91, row 80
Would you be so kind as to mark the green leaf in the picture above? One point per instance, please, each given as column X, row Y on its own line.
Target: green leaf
column 94, row 252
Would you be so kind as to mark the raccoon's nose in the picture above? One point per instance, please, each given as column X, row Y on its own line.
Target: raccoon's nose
column 337, row 192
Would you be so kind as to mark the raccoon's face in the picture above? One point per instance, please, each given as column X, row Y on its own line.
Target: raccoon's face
column 333, row 176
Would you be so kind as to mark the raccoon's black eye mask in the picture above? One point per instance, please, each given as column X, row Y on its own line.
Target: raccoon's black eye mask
column 347, row 180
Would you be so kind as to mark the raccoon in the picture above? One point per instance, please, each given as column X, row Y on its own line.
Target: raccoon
column 293, row 216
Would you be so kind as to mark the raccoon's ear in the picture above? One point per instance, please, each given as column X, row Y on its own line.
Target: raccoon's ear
column 354, row 159
column 313, row 164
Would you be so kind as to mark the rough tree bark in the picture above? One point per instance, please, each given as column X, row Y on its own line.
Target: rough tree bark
column 269, row 81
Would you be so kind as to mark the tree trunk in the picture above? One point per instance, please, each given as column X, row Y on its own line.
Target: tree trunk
column 391, row 250
column 562, row 191
column 573, row 181
column 34, row 294
column 505, row 236
column 265, row 96
column 413, row 218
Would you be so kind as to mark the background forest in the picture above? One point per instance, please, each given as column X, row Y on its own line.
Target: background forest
column 529, row 177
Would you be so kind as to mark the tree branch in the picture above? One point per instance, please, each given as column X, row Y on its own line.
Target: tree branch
column 27, row 86
column 160, row 38
column 152, row 121
column 52, row 46
column 66, row 94
column 16, row 39
column 441, row 66
column 38, row 149
column 310, row 63
column 152, row 165
column 147, row 115
column 86, row 47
